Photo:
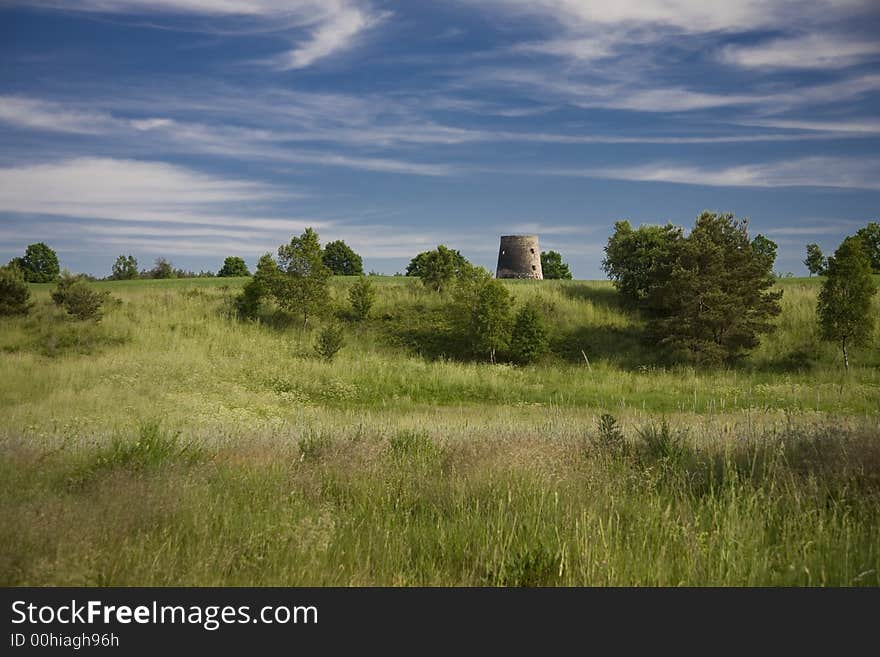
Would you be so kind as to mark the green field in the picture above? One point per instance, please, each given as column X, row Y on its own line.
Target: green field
column 173, row 444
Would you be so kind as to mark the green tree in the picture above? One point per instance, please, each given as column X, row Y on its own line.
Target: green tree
column 362, row 295
column 125, row 268
column 65, row 282
column 417, row 266
column 438, row 268
column 15, row 295
column 553, row 267
column 528, row 341
column 161, row 269
column 259, row 288
column 635, row 259
column 302, row 286
column 330, row 340
column 481, row 310
column 714, row 299
column 844, row 308
column 39, row 264
column 870, row 236
column 84, row 302
column 765, row 249
column 341, row 260
column 815, row 261
column 234, row 267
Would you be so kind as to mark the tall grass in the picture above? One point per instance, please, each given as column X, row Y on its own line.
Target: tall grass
column 172, row 443
column 404, row 508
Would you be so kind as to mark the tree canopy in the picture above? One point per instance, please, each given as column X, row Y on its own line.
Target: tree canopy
column 844, row 307
column 417, row 266
column 815, row 261
column 870, row 236
column 553, row 267
column 234, row 266
column 39, row 264
column 635, row 258
column 125, row 268
column 438, row 268
column 341, row 259
column 301, row 286
column 712, row 299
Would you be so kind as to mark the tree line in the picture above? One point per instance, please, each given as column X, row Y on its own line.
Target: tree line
column 707, row 296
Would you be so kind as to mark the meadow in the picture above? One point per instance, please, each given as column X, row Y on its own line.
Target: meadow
column 172, row 443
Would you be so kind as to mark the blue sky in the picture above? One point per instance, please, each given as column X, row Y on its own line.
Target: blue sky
column 197, row 129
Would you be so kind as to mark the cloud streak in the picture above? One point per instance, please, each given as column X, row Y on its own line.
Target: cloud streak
column 131, row 190
column 325, row 27
column 811, row 51
column 848, row 173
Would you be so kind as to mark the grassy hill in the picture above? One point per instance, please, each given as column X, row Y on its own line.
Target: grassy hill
column 172, row 443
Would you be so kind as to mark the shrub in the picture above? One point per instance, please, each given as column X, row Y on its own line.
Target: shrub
column 480, row 310
column 84, row 302
column 660, row 442
column 15, row 294
column 609, row 436
column 250, row 300
column 59, row 294
column 330, row 341
column 528, row 342
column 152, row 448
column 362, row 296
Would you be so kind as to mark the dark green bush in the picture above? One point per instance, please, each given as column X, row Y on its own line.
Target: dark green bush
column 362, row 296
column 609, row 437
column 529, row 340
column 14, row 292
column 65, row 282
column 330, row 341
column 84, row 302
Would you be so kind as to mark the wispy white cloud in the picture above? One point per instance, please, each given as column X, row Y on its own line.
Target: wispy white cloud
column 645, row 96
column 852, row 173
column 335, row 33
column 854, row 126
column 213, row 7
column 578, row 48
column 323, row 27
column 131, row 190
column 38, row 114
column 684, row 15
column 810, row 51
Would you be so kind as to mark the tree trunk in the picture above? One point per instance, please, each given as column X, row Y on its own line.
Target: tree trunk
column 845, row 356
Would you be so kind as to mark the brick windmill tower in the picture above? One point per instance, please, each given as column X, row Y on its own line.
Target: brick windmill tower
column 519, row 257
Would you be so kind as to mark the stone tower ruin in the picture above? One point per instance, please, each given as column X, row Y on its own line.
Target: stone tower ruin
column 519, row 257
